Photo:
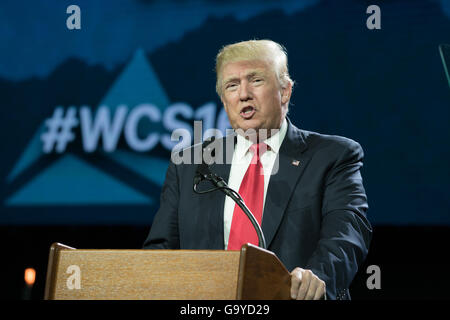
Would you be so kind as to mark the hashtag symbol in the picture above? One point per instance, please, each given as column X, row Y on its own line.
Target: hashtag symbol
column 59, row 130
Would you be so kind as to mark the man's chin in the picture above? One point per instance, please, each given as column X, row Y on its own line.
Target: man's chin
column 249, row 125
column 247, row 130
column 253, row 131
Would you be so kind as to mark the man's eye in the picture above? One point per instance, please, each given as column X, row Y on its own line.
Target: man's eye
column 231, row 86
column 257, row 80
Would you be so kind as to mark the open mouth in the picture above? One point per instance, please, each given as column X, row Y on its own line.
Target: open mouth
column 247, row 112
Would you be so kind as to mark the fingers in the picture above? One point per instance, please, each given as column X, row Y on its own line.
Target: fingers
column 296, row 280
column 320, row 292
column 305, row 285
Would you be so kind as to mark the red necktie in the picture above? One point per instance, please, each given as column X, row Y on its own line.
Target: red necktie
column 252, row 191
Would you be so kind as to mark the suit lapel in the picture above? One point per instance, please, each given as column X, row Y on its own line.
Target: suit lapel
column 291, row 164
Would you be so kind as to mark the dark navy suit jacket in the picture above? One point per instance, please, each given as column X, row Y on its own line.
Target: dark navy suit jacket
column 314, row 215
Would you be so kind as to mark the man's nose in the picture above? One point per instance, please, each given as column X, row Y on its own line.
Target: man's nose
column 245, row 92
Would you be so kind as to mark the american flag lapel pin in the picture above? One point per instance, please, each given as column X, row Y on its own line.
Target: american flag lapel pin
column 295, row 163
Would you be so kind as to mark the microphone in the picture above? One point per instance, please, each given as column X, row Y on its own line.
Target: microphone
column 200, row 174
column 204, row 173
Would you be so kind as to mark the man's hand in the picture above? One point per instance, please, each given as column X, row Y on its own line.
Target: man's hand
column 305, row 285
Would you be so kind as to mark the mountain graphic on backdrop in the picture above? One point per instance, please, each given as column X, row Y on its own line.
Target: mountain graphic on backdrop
column 71, row 179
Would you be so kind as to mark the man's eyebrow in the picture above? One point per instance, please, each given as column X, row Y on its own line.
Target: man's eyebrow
column 251, row 74
column 255, row 73
column 230, row 79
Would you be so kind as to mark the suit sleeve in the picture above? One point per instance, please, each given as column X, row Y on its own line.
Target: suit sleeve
column 345, row 231
column 164, row 230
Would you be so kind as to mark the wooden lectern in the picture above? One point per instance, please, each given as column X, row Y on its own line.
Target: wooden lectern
column 250, row 274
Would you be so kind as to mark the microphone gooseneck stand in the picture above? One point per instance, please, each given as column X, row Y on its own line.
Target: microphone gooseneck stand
column 203, row 173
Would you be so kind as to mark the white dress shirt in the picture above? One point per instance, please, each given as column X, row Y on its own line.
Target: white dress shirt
column 239, row 165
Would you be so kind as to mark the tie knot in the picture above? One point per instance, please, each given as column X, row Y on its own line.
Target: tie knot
column 258, row 149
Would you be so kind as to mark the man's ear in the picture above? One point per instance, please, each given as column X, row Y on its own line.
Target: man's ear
column 286, row 93
column 223, row 103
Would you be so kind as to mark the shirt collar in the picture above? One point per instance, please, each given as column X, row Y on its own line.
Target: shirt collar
column 274, row 142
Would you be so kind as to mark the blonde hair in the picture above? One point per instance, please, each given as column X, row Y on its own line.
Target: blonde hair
column 267, row 50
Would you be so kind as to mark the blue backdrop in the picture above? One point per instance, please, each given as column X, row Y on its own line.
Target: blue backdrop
column 87, row 113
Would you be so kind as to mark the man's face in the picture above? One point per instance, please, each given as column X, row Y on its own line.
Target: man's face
column 252, row 96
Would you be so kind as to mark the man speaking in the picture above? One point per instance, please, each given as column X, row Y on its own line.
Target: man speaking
column 304, row 189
